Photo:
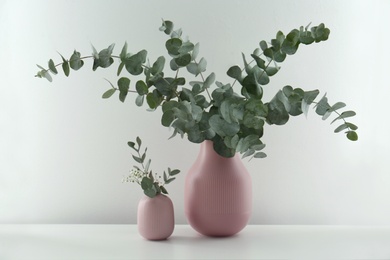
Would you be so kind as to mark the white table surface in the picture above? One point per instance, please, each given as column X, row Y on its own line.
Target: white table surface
column 254, row 242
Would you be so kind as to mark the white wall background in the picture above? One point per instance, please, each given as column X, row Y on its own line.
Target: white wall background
column 63, row 149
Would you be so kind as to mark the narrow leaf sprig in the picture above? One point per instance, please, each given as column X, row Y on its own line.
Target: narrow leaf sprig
column 151, row 183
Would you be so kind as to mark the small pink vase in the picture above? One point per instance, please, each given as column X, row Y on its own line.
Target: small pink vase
column 218, row 193
column 155, row 217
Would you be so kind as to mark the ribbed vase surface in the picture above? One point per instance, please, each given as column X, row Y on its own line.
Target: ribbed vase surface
column 218, row 193
column 155, row 217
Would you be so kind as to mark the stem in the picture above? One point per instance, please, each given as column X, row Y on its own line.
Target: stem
column 142, row 164
column 201, row 75
column 269, row 62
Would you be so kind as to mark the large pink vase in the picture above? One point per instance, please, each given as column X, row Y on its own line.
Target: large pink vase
column 155, row 217
column 218, row 193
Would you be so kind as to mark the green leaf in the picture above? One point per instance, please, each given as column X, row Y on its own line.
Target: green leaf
column 170, row 180
column 151, row 193
column 177, row 33
column 263, row 45
column 222, row 127
column 147, row 165
column 52, row 67
column 132, row 145
column 279, row 56
column 65, row 66
column 259, row 61
column 139, row 141
column 123, row 85
column 352, row 135
column 183, row 60
column 308, row 98
column 235, row 72
column 341, row 127
column 47, row 76
column 165, row 86
column 123, row 54
column 186, row 47
column 272, row 70
column 320, row 32
column 322, row 106
column 291, row 43
column 152, row 101
column 248, row 153
column 260, row 155
column 137, row 159
column 197, row 68
column 120, row 68
column 305, row 36
column 146, row 183
column 195, row 51
column 337, row 106
column 209, row 80
column 141, row 87
column 134, row 63
column 344, row 115
column 277, row 113
column 269, row 53
column 173, row 65
column 167, row 118
column 345, row 126
column 163, row 190
column 158, row 65
column 75, row 62
column 173, row 45
column 167, row 27
column 261, row 76
column 109, row 93
column 103, row 59
column 174, row 172
column 139, row 100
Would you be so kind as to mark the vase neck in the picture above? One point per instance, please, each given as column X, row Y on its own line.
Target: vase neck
column 207, row 152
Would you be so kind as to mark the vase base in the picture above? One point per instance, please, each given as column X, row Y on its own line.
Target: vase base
column 218, row 225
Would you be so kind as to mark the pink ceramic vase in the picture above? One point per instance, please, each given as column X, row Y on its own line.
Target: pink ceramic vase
column 218, row 193
column 155, row 217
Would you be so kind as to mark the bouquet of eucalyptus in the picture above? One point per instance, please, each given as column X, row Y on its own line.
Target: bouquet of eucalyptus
column 231, row 115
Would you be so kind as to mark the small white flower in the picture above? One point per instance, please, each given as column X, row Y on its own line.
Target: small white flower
column 135, row 176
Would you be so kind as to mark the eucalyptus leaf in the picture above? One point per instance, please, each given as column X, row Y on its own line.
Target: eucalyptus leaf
column 167, row 27
column 123, row 85
column 123, row 54
column 173, row 45
column 352, row 135
column 52, row 67
column 158, row 66
column 109, row 93
column 139, row 101
column 141, row 87
column 183, row 60
column 345, row 115
column 235, row 72
column 134, row 63
column 75, row 61
column 195, row 51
